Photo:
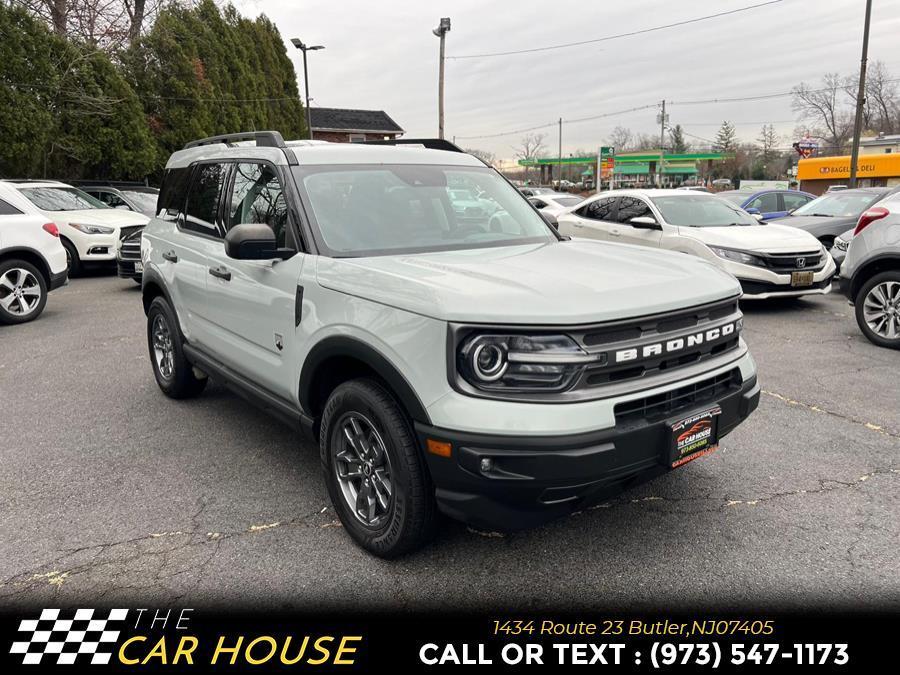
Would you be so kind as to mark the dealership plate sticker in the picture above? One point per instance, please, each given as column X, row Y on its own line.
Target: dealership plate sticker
column 138, row 267
column 801, row 278
column 694, row 436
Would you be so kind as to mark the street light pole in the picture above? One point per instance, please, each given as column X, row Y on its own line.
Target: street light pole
column 860, row 96
column 305, row 48
column 559, row 159
column 662, row 140
column 441, row 31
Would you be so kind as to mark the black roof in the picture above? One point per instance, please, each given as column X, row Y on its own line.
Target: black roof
column 346, row 119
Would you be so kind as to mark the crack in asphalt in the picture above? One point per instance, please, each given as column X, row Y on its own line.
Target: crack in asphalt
column 120, row 556
column 846, row 418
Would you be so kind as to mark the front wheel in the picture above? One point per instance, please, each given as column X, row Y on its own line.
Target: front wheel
column 23, row 292
column 174, row 374
column 878, row 309
column 376, row 477
column 73, row 262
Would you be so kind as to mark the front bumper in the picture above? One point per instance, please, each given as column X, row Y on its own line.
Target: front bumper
column 534, row 479
column 126, row 268
column 757, row 290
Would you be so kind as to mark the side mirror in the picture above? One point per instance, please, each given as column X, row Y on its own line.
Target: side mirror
column 644, row 223
column 551, row 219
column 251, row 241
column 753, row 211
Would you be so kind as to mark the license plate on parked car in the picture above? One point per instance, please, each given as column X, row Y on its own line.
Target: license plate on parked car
column 138, row 267
column 694, row 436
column 801, row 278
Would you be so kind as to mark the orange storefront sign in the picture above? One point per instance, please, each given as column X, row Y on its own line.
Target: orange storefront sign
column 868, row 166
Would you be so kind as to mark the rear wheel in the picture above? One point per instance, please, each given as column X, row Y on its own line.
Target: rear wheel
column 23, row 292
column 878, row 309
column 174, row 374
column 376, row 477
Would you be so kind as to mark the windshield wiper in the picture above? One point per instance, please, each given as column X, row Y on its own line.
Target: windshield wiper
column 820, row 215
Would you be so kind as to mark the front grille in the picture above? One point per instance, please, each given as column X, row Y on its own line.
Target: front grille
column 659, row 406
column 613, row 342
column 791, row 262
column 130, row 250
column 131, row 229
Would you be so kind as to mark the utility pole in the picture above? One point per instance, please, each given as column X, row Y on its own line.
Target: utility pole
column 662, row 140
column 860, row 96
column 441, row 31
column 559, row 159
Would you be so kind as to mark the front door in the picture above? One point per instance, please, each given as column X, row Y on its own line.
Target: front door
column 253, row 302
column 593, row 220
column 626, row 232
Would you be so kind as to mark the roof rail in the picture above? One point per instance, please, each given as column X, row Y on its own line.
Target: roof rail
column 264, row 139
column 30, row 180
column 430, row 143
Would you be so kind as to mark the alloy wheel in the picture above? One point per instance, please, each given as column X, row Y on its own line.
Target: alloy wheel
column 20, row 292
column 881, row 310
column 163, row 350
column 363, row 469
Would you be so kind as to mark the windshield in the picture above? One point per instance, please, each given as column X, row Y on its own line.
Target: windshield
column 701, row 210
column 365, row 210
column 62, row 199
column 144, row 201
column 838, row 204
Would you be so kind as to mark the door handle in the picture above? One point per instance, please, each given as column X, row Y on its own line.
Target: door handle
column 616, row 233
column 578, row 223
column 170, row 256
column 220, row 273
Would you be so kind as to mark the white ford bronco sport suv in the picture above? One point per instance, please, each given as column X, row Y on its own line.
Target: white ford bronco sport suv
column 501, row 375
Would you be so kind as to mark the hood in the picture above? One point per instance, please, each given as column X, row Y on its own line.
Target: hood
column 108, row 217
column 578, row 281
column 816, row 222
column 766, row 238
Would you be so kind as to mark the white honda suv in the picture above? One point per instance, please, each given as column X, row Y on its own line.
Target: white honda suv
column 32, row 263
column 503, row 375
column 769, row 260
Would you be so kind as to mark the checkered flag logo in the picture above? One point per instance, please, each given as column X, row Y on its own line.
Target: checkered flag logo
column 64, row 640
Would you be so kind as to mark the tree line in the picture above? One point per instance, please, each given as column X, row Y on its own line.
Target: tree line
column 110, row 88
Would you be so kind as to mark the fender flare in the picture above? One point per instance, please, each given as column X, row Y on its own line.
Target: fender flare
column 342, row 345
column 151, row 276
column 857, row 282
column 45, row 266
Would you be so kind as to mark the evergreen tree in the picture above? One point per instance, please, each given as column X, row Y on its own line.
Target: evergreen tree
column 676, row 135
column 726, row 138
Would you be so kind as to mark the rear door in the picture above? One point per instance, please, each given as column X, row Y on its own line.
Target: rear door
column 593, row 220
column 253, row 302
column 768, row 204
column 624, row 231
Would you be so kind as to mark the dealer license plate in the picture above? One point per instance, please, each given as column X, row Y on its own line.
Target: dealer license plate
column 801, row 278
column 694, row 436
column 138, row 267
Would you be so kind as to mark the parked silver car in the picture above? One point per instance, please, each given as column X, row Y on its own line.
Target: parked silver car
column 871, row 273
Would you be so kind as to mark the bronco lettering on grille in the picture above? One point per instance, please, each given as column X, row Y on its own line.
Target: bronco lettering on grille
column 678, row 344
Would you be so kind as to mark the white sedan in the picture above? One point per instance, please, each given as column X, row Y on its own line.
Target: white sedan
column 554, row 204
column 769, row 260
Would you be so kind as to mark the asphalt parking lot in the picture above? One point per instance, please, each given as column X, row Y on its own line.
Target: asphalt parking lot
column 112, row 493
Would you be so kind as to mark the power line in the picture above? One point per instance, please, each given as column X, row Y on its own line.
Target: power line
column 615, row 37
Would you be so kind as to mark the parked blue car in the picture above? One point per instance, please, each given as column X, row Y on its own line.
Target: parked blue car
column 769, row 203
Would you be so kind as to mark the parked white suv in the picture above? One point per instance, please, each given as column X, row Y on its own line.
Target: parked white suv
column 769, row 260
column 88, row 228
column 32, row 263
column 502, row 377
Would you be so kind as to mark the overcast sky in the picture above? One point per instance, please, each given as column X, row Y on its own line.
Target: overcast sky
column 382, row 55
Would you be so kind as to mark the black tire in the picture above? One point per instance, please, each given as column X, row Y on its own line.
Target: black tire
column 409, row 521
column 891, row 280
column 174, row 375
column 72, row 259
column 19, row 282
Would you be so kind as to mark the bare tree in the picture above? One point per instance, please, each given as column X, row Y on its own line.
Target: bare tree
column 530, row 148
column 104, row 24
column 882, row 99
column 620, row 138
column 768, row 141
column 823, row 108
column 483, row 155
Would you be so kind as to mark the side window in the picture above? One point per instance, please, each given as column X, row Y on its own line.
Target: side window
column 173, row 191
column 632, row 207
column 203, row 199
column 538, row 204
column 766, row 203
column 112, row 199
column 257, row 198
column 794, row 201
column 601, row 209
column 7, row 209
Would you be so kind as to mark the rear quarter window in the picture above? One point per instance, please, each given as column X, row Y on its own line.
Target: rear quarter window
column 7, row 209
column 173, row 191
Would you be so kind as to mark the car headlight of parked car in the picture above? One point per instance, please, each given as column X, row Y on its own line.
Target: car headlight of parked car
column 840, row 244
column 738, row 256
column 520, row 363
column 87, row 228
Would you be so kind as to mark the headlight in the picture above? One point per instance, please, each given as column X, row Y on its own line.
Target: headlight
column 521, row 362
column 738, row 256
column 839, row 244
column 87, row 228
